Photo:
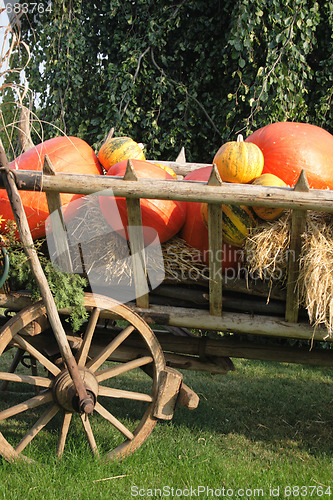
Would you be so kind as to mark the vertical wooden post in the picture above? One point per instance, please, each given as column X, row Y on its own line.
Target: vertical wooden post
column 181, row 158
column 57, row 220
column 298, row 223
column 215, row 249
column 135, row 234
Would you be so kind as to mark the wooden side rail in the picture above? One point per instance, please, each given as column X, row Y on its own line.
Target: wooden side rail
column 178, row 190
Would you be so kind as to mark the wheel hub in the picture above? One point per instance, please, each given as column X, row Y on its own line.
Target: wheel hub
column 65, row 392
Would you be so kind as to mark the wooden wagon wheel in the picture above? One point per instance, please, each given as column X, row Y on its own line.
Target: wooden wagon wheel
column 56, row 393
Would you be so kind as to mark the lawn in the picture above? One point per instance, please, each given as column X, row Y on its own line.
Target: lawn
column 263, row 431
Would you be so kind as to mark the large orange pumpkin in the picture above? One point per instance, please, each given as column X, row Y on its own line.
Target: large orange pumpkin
column 195, row 232
column 166, row 217
column 67, row 154
column 289, row 147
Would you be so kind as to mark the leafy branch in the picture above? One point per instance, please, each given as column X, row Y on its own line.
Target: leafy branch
column 67, row 289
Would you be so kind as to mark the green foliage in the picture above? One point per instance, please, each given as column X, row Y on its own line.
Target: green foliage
column 67, row 289
column 190, row 74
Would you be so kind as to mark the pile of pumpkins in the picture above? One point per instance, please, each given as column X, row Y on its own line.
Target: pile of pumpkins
column 272, row 156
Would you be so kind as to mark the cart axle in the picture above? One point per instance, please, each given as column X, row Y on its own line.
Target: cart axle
column 65, row 393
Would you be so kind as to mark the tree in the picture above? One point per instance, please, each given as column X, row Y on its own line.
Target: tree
column 14, row 55
column 192, row 73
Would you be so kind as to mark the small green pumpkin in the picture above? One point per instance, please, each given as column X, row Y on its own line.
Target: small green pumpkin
column 236, row 222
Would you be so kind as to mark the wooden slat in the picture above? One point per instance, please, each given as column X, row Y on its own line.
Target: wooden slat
column 215, row 246
column 232, row 322
column 59, row 233
column 136, row 239
column 171, row 189
column 298, row 223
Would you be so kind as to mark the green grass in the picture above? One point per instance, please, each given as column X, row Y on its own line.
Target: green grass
column 266, row 425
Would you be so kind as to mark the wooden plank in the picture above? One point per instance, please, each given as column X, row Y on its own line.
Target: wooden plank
column 187, row 397
column 215, row 245
column 228, row 347
column 179, row 190
column 232, row 322
column 136, row 239
column 236, row 322
column 298, row 223
column 59, row 233
column 184, row 353
column 19, row 300
column 168, row 388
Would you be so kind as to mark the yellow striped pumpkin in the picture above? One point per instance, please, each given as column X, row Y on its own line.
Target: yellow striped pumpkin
column 167, row 169
column 236, row 162
column 236, row 222
column 117, row 149
column 268, row 213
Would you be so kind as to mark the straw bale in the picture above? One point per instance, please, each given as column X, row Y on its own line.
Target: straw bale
column 316, row 272
column 96, row 249
column 266, row 249
column 267, row 255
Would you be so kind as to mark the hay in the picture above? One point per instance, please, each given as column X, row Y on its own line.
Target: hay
column 182, row 262
column 266, row 249
column 94, row 248
column 316, row 272
column 102, row 254
column 268, row 254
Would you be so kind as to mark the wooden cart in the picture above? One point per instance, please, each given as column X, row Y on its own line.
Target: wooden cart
column 56, row 376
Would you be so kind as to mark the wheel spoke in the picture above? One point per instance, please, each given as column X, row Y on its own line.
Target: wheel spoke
column 113, row 420
column 114, row 371
column 89, row 433
column 7, row 451
column 82, row 355
column 38, row 400
column 95, row 363
column 51, row 367
column 110, row 392
column 27, row 379
column 35, row 429
column 63, row 433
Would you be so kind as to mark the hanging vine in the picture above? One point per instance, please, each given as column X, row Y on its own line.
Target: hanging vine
column 178, row 74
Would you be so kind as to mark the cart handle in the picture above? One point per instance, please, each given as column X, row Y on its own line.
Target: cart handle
column 6, row 266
